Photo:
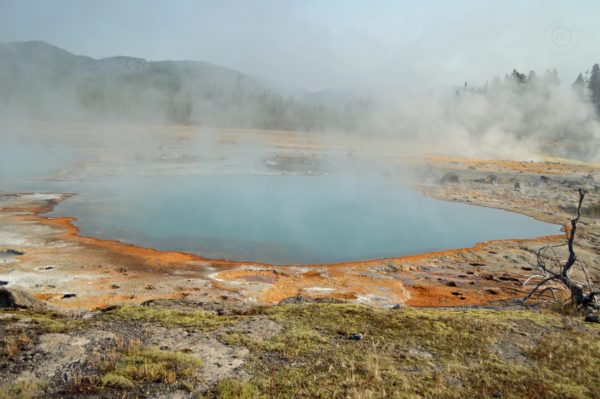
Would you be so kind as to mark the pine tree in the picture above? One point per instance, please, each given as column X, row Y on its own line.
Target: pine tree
column 551, row 77
column 580, row 81
column 579, row 85
column 594, row 86
column 518, row 76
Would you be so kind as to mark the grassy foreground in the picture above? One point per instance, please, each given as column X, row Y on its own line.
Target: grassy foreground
column 421, row 353
column 405, row 353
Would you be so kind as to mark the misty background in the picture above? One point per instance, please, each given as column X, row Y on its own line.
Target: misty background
column 489, row 80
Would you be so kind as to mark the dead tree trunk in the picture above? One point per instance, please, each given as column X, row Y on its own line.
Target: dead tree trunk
column 582, row 295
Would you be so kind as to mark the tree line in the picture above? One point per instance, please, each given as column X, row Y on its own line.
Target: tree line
column 588, row 85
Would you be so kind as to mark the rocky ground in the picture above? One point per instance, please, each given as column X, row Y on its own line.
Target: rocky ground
column 547, row 191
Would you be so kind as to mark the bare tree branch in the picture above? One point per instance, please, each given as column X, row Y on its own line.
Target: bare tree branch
column 579, row 297
column 572, row 256
column 538, row 286
column 551, row 289
column 587, row 277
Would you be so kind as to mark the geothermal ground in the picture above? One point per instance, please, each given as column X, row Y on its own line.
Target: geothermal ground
column 206, row 326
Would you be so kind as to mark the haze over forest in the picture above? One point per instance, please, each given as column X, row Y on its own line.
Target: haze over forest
column 41, row 81
column 528, row 91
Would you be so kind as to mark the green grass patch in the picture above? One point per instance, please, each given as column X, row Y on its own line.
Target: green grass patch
column 197, row 319
column 44, row 322
column 117, row 381
column 234, row 389
column 151, row 365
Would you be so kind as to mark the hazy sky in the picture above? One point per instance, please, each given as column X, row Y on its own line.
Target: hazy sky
column 326, row 44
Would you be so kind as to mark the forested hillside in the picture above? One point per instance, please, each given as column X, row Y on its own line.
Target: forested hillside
column 45, row 81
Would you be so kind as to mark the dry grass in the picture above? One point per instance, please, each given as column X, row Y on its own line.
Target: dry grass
column 423, row 353
column 14, row 341
column 440, row 353
column 198, row 319
column 129, row 364
column 20, row 390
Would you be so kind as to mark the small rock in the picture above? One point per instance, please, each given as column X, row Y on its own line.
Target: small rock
column 67, row 296
column 306, row 299
column 590, row 177
column 355, row 337
column 508, row 278
column 491, row 179
column 13, row 252
column 418, row 352
column 299, row 299
column 517, row 186
column 108, row 308
column 451, row 284
column 592, row 318
column 396, row 306
column 450, row 178
column 497, row 394
column 2, row 282
column 15, row 297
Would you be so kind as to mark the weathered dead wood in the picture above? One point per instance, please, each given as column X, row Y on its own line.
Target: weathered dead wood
column 555, row 275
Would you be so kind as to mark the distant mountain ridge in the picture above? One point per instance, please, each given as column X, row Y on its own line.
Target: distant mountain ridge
column 43, row 80
column 20, row 55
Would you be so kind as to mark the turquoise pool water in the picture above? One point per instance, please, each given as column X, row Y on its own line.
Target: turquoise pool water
column 285, row 219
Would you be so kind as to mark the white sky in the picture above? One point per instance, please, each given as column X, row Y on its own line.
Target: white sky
column 326, row 44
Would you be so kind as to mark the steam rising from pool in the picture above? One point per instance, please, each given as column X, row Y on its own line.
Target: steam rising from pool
column 286, row 219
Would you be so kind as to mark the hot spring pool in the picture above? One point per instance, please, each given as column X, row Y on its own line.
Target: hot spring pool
column 285, row 219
